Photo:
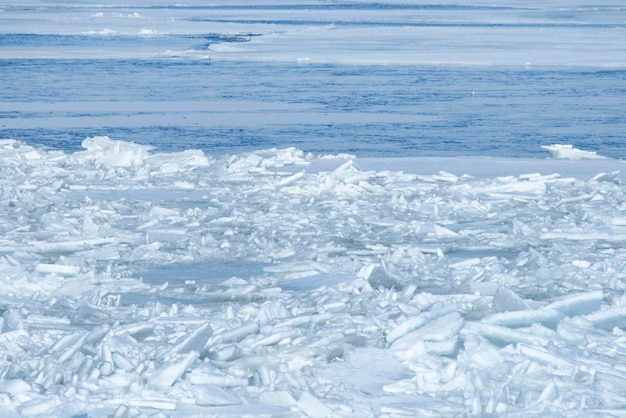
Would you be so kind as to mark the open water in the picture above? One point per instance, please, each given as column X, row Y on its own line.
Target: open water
column 175, row 77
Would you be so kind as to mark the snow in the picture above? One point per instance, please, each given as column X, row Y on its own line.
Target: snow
column 138, row 280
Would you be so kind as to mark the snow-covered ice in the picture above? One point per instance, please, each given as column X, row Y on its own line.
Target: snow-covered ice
column 280, row 283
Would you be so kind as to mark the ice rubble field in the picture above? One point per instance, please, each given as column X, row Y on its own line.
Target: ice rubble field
column 278, row 283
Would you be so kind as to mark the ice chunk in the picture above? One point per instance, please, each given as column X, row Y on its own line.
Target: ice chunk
column 105, row 151
column 290, row 179
column 510, row 187
column 445, row 176
column 311, row 406
column 294, row 270
column 195, row 341
column 608, row 319
column 85, row 367
column 443, row 232
column 517, row 319
column 549, row 393
column 137, row 331
column 164, row 378
column 46, row 322
column 68, row 340
column 505, row 300
column 419, row 321
column 73, row 349
column 301, row 320
column 183, row 185
column 153, row 403
column 62, row 247
column 58, row 269
column 583, row 264
column 89, row 229
column 270, row 311
column 121, row 362
column 610, row 389
column 541, row 355
column 124, row 411
column 343, row 167
column 503, row 335
column 216, row 378
column 583, row 236
column 611, row 177
column 160, row 212
column 38, row 407
column 211, row 395
column 439, row 334
column 580, row 304
column 13, row 336
column 376, row 275
column 14, row 386
column 277, row 398
column 447, row 347
column 227, row 353
column 194, row 158
column 275, row 338
column 568, row 151
column 13, row 321
column 238, row 333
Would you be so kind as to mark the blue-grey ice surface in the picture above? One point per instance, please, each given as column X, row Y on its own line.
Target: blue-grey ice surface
column 278, row 208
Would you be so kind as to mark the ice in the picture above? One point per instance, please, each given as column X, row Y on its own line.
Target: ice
column 567, row 151
column 211, row 395
column 12, row 320
column 579, row 304
column 608, row 318
column 238, row 333
column 103, row 150
column 277, row 398
column 195, row 341
column 67, row 247
column 501, row 335
column 165, row 377
column 521, row 318
column 123, row 411
column 57, row 269
column 311, row 406
column 37, row 407
column 217, row 379
column 543, row 356
column 405, row 329
column 266, row 280
column 14, row 387
column 505, row 300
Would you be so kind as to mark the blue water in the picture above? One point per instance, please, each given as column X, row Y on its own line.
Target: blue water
column 87, row 81
column 365, row 110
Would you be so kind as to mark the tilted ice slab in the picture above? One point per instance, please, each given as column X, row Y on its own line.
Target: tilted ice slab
column 280, row 283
